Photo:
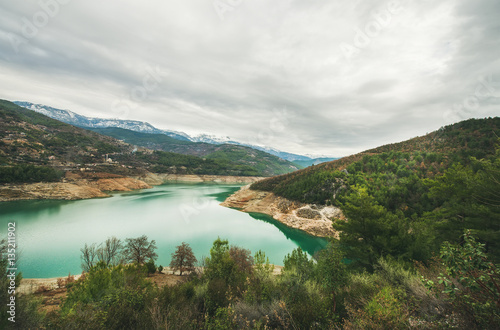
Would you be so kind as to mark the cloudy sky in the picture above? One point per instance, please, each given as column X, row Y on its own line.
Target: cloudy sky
column 310, row 77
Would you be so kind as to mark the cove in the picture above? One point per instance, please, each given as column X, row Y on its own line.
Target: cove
column 51, row 233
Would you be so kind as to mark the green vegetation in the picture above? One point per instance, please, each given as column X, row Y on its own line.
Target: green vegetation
column 237, row 291
column 22, row 309
column 404, row 202
column 30, row 138
column 28, row 173
column 226, row 157
column 167, row 162
column 183, row 259
column 419, row 249
column 106, row 298
column 478, row 286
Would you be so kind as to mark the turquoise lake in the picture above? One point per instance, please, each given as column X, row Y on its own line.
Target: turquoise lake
column 50, row 234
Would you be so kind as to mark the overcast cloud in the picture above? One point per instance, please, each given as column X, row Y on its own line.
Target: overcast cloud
column 309, row 77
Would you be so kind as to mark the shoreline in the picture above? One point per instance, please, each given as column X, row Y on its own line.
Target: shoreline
column 315, row 220
column 30, row 285
column 156, row 179
column 99, row 185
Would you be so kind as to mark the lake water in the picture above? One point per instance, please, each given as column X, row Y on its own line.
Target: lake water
column 50, row 233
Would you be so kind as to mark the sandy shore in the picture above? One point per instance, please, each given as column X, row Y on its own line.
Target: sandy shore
column 30, row 285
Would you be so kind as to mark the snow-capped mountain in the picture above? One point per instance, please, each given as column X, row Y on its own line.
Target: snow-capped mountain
column 75, row 119
column 281, row 154
column 212, row 139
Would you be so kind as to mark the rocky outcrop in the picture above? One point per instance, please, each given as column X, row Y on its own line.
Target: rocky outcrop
column 86, row 185
column 119, row 184
column 158, row 179
column 76, row 189
column 313, row 219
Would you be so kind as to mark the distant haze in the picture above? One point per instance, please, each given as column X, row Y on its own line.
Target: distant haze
column 308, row 77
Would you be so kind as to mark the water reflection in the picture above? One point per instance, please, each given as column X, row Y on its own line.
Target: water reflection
column 51, row 233
column 308, row 243
column 48, row 207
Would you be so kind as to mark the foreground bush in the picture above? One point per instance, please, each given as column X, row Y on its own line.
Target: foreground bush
column 107, row 297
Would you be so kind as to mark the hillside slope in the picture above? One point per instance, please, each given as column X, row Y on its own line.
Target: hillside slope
column 404, row 199
column 265, row 163
column 30, row 138
column 425, row 157
column 72, row 118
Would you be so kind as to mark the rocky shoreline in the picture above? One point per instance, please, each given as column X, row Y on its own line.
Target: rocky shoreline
column 156, row 179
column 97, row 185
column 313, row 219
column 78, row 189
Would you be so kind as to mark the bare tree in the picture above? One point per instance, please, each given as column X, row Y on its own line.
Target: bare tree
column 183, row 259
column 139, row 249
column 110, row 251
column 88, row 257
column 242, row 258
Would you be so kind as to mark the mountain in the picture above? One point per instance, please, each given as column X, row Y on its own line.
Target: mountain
column 267, row 164
column 393, row 165
column 31, row 138
column 75, row 119
column 314, row 161
column 72, row 118
column 401, row 200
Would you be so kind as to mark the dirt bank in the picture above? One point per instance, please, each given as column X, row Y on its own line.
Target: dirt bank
column 155, row 179
column 313, row 219
column 85, row 185
column 74, row 187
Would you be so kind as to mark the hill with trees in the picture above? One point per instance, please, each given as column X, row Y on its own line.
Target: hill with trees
column 420, row 249
column 49, row 146
column 405, row 199
column 264, row 162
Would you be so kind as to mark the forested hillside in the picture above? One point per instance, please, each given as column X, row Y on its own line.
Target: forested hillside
column 419, row 250
column 424, row 156
column 415, row 194
column 264, row 163
column 431, row 205
column 49, row 146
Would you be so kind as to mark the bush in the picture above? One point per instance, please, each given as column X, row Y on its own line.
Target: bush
column 110, row 297
column 150, row 266
column 386, row 310
column 28, row 173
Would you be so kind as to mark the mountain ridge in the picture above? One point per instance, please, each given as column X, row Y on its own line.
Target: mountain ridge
column 268, row 164
column 433, row 153
column 30, row 138
column 75, row 119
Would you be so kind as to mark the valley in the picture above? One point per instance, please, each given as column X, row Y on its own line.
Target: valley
column 53, row 148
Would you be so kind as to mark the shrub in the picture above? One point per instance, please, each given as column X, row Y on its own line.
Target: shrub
column 109, row 297
column 384, row 311
column 150, row 266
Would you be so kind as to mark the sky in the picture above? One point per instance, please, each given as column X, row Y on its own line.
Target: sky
column 309, row 77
